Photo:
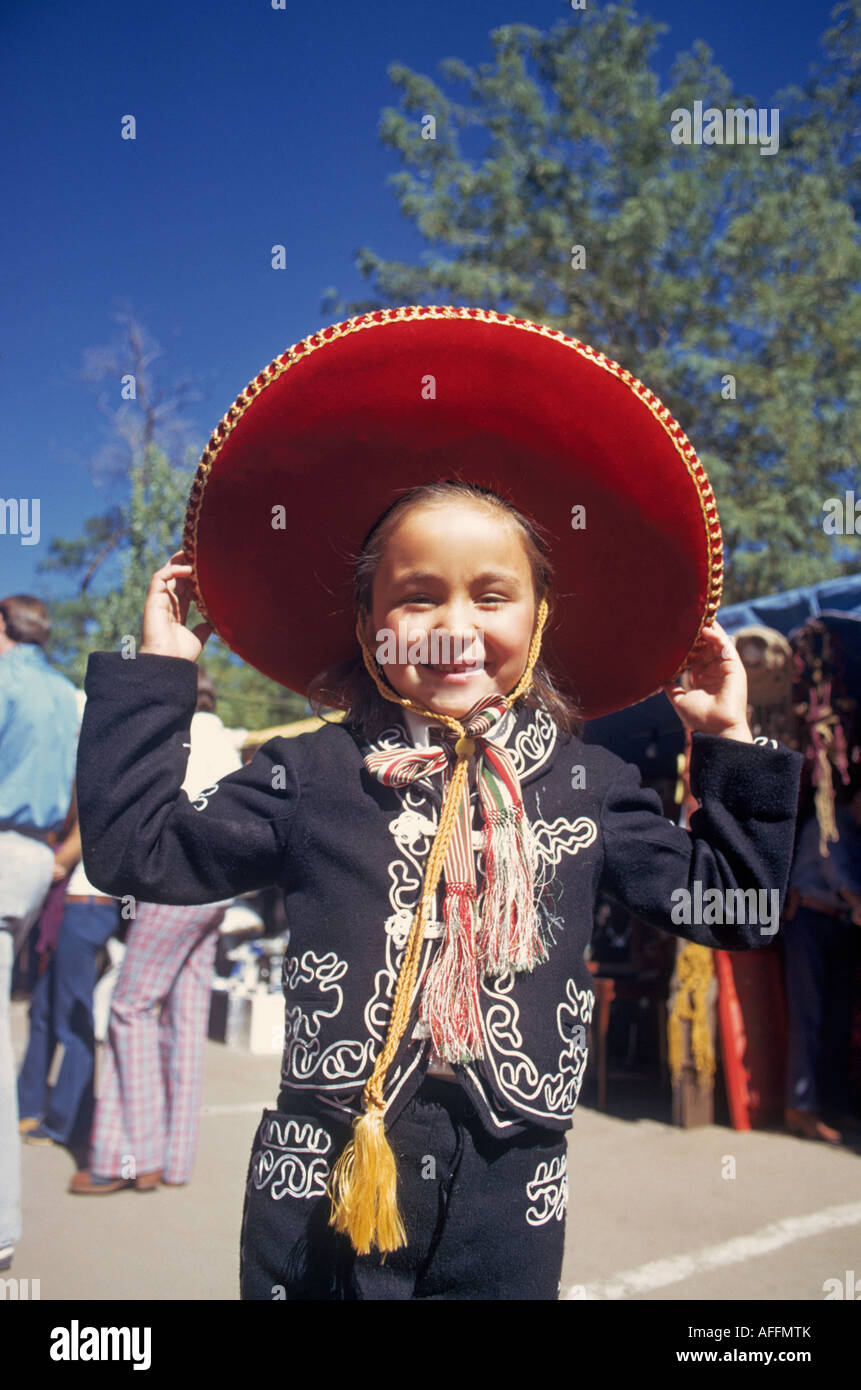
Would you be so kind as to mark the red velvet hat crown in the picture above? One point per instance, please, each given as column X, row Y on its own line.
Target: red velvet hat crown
column 339, row 425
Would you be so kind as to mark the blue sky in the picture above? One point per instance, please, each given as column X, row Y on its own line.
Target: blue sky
column 254, row 127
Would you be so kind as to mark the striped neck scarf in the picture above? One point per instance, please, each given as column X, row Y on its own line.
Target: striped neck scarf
column 497, row 930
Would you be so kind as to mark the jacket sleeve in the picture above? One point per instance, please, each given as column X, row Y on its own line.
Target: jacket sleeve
column 140, row 833
column 740, row 838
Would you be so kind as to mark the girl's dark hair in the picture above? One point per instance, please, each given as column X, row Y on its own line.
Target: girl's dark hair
column 348, row 685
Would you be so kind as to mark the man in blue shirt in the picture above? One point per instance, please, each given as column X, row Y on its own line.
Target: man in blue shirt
column 819, row 940
column 38, row 746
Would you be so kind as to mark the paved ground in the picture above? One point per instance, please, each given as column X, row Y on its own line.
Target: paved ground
column 651, row 1215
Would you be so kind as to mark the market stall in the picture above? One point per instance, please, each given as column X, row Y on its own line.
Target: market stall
column 802, row 648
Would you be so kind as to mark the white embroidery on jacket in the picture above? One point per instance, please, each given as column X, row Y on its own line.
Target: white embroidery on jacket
column 291, row 1160
column 563, row 837
column 548, row 1191
column 412, row 830
column 532, row 746
column 305, row 1065
column 202, row 798
column 551, row 1094
column 341, row 1061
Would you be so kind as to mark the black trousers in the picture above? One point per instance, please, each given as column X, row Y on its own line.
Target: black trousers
column 485, row 1217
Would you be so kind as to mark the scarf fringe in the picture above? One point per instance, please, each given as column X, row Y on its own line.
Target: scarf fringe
column 450, row 998
column 510, row 936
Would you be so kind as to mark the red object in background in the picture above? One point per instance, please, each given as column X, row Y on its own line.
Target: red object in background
column 753, row 1038
column 751, row 1017
column 387, row 401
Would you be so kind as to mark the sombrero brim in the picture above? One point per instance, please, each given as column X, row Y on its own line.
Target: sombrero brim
column 338, row 426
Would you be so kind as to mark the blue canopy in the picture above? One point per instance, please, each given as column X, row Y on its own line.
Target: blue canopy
column 651, row 733
column 789, row 610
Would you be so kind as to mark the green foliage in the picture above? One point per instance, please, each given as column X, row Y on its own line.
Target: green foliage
column 701, row 261
column 137, row 539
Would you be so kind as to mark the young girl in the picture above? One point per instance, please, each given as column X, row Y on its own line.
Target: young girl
column 440, row 853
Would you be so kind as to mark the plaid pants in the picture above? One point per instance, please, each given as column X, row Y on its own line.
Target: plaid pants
column 485, row 1217
column 151, row 1080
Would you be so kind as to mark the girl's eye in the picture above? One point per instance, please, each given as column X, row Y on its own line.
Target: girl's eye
column 492, row 598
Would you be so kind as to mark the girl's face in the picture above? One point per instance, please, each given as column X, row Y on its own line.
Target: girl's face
column 452, row 572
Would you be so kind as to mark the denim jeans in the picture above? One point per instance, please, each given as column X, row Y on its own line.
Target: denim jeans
column 61, row 1011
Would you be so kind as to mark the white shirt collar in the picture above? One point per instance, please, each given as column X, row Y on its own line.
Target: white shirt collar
column 418, row 728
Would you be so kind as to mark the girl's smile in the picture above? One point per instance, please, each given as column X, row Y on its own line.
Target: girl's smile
column 454, row 675
column 456, row 573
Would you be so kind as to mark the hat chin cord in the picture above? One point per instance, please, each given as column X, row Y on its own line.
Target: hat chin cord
column 363, row 1183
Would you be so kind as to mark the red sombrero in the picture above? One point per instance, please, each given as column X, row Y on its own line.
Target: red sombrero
column 339, row 425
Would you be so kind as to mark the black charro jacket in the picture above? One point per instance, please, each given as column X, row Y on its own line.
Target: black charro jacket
column 349, row 855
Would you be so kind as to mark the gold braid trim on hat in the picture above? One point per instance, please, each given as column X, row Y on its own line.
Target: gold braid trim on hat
column 363, row 1183
column 405, row 313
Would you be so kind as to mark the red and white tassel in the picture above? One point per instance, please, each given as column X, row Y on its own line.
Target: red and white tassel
column 510, row 937
column 450, row 998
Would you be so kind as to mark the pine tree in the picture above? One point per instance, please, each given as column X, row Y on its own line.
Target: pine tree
column 148, row 463
column 726, row 279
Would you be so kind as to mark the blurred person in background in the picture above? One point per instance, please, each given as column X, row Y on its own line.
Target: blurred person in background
column 61, row 1010
column 148, row 1111
column 820, row 932
column 38, row 741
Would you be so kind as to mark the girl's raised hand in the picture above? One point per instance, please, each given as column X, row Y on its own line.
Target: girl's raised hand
column 714, row 700
column 167, row 602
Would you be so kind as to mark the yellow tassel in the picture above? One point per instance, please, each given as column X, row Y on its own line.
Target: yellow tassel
column 363, row 1189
